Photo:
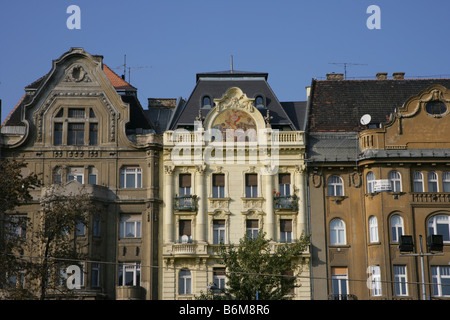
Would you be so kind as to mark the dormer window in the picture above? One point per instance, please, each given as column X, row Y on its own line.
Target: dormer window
column 259, row 102
column 77, row 129
column 206, row 102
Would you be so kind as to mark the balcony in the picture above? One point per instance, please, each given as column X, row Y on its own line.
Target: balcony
column 185, row 203
column 431, row 197
column 285, row 202
column 335, row 296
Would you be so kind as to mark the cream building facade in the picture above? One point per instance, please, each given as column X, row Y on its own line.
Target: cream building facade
column 232, row 166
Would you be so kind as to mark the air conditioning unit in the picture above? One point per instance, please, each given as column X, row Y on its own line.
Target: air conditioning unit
column 435, row 242
column 406, row 244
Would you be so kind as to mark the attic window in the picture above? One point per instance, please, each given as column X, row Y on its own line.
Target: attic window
column 76, row 113
column 436, row 107
column 259, row 102
column 59, row 114
column 206, row 102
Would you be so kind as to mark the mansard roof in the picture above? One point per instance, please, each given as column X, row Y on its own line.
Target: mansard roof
column 253, row 84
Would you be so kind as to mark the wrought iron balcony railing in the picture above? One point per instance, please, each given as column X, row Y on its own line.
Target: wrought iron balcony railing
column 188, row 203
column 335, row 296
column 285, row 202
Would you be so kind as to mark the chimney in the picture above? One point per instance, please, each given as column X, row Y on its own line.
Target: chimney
column 335, row 76
column 398, row 75
column 382, row 75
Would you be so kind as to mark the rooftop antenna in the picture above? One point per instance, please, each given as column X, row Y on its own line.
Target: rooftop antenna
column 348, row 64
column 129, row 68
column 231, row 63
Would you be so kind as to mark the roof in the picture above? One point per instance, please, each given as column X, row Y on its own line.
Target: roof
column 215, row 85
column 117, row 82
column 338, row 105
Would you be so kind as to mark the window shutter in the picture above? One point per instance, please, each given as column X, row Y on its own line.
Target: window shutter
column 218, row 180
column 286, row 225
column 251, row 179
column 284, row 178
column 185, row 180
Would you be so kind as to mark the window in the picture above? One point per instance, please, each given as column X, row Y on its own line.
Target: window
column 337, row 232
column 76, row 113
column 259, row 102
column 75, row 135
column 185, row 233
column 57, row 175
column 339, row 281
column 440, row 277
column 285, row 231
column 218, row 231
column 370, row 178
column 218, row 185
column 284, row 184
column 373, row 229
column 395, row 181
column 436, row 107
column 130, row 274
column 433, row 182
column 93, row 134
column 96, row 225
column 58, row 134
column 185, row 282
column 16, row 226
column 251, row 185
column 375, row 283
column 335, row 186
column 131, row 177
column 219, row 279
column 95, row 275
column 440, row 225
column 400, row 281
column 252, row 229
column 130, row 226
column 446, row 181
column 76, row 173
column 80, row 229
column 418, row 182
column 206, row 102
column 396, row 228
column 92, row 176
column 184, row 188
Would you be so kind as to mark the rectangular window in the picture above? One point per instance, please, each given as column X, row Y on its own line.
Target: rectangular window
column 92, row 178
column 93, row 134
column 130, row 226
column 76, row 173
column 96, row 226
column 400, row 281
column 446, row 181
column 130, row 274
column 251, row 185
column 76, row 113
column 218, row 231
column 80, row 229
column 75, row 136
column 184, row 187
column 284, row 184
column 375, row 281
column 185, row 282
column 252, row 228
column 219, row 280
column 95, row 275
column 339, row 281
column 130, row 177
column 218, row 185
column 285, row 231
column 185, row 232
column 58, row 134
column 440, row 276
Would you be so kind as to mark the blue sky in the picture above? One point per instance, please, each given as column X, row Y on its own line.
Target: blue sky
column 293, row 40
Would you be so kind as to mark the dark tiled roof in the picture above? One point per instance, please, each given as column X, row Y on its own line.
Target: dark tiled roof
column 338, row 105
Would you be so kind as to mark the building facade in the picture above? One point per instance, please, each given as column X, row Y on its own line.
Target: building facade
column 233, row 166
column 378, row 174
column 81, row 126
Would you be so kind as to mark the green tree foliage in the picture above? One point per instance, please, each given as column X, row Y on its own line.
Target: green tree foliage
column 258, row 268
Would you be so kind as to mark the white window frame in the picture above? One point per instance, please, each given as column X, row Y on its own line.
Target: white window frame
column 442, row 219
column 132, row 220
column 418, row 182
column 375, row 281
column 75, row 173
column 397, row 227
column 219, row 282
column 433, row 182
column 335, row 186
column 337, row 232
column 400, row 280
column 219, row 232
column 373, row 230
column 135, row 172
column 337, row 281
column 252, row 233
column 185, row 282
column 395, row 180
column 440, row 275
column 134, row 269
column 370, row 179
column 446, row 181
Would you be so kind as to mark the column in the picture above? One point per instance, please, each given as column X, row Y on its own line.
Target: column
column 268, row 195
column 301, row 183
column 201, row 213
column 168, row 201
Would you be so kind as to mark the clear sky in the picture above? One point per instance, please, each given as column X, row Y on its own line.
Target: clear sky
column 292, row 40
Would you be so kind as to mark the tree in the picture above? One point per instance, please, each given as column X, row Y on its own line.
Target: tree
column 14, row 191
column 255, row 267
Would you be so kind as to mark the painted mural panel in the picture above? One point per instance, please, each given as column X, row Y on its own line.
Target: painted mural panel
column 237, row 124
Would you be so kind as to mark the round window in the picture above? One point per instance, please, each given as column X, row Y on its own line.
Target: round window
column 436, row 107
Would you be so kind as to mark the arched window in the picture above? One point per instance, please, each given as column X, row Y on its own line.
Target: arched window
column 185, row 282
column 206, row 102
column 337, row 232
column 395, row 181
column 433, row 182
column 373, row 229
column 396, row 227
column 370, row 178
column 418, row 181
column 446, row 181
column 259, row 102
column 440, row 224
column 335, row 186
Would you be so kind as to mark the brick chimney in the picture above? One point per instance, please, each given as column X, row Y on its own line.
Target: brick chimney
column 398, row 75
column 382, row 75
column 335, row 76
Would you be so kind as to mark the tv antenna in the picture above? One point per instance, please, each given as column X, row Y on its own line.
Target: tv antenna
column 124, row 66
column 348, row 64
